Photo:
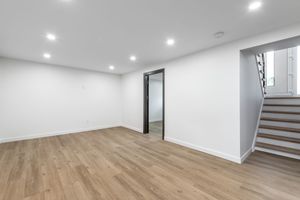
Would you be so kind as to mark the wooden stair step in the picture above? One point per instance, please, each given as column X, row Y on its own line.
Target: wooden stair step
column 282, row 105
column 281, row 112
column 278, row 148
column 277, row 128
column 280, row 120
column 289, row 97
column 280, row 138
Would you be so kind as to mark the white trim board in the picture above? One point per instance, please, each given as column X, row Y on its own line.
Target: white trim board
column 54, row 133
column 225, row 156
column 57, row 133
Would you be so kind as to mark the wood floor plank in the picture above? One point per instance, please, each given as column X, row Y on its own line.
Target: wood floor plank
column 119, row 164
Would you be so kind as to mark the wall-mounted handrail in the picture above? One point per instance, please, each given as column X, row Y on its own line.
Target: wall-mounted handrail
column 261, row 66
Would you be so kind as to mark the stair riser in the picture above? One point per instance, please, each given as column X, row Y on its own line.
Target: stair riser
column 279, row 146
column 278, row 108
column 282, row 101
column 280, row 133
column 280, row 124
column 279, row 143
column 277, row 153
column 281, row 116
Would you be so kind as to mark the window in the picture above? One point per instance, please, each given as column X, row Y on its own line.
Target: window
column 270, row 69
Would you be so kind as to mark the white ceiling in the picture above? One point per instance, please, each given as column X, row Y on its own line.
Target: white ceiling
column 93, row 34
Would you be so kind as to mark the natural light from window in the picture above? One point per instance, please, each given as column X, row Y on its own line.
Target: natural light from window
column 270, row 69
column 298, row 70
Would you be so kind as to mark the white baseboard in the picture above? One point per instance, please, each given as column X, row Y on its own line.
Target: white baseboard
column 206, row 150
column 55, row 133
column 133, row 128
column 176, row 141
column 246, row 154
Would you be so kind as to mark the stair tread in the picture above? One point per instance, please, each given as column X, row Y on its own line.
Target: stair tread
column 280, row 138
column 278, row 148
column 281, row 112
column 282, row 97
column 282, row 105
column 279, row 120
column 295, row 130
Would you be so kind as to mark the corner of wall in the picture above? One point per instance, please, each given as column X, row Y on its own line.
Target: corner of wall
column 245, row 155
column 251, row 99
column 132, row 128
column 55, row 133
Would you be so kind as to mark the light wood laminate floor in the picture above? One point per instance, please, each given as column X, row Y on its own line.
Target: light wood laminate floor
column 121, row 164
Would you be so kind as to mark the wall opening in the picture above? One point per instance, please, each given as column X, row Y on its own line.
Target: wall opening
column 154, row 120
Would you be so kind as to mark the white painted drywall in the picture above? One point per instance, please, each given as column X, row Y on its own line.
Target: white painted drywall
column 132, row 101
column 155, row 100
column 202, row 94
column 251, row 98
column 39, row 100
column 202, row 97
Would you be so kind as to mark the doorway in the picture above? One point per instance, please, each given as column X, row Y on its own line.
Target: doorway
column 154, row 103
column 281, row 72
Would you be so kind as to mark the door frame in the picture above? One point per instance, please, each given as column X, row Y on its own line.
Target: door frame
column 146, row 101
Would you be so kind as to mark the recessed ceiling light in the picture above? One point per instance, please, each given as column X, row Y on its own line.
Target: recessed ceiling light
column 255, row 5
column 47, row 55
column 111, row 67
column 219, row 34
column 132, row 58
column 51, row 37
column 170, row 42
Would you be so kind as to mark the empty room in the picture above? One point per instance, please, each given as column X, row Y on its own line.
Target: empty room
column 149, row 100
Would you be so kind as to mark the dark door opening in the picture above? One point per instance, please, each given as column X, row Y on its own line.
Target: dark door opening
column 154, row 110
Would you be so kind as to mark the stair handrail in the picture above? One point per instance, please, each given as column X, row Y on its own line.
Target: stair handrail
column 261, row 67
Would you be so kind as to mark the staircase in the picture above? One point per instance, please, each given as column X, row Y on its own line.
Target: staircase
column 279, row 127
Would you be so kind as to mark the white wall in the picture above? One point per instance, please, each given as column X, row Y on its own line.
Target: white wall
column 132, row 101
column 205, row 107
column 251, row 99
column 40, row 100
column 202, row 94
column 155, row 100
